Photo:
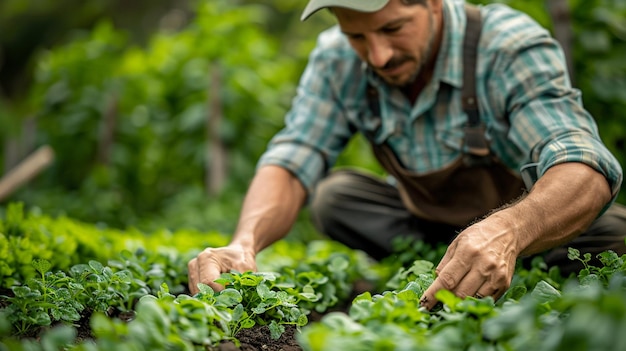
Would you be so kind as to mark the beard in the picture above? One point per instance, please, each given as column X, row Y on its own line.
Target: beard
column 419, row 62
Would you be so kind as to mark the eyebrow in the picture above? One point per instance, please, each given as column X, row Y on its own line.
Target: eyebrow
column 392, row 23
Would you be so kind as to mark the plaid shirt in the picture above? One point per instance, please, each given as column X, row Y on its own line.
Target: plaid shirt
column 531, row 112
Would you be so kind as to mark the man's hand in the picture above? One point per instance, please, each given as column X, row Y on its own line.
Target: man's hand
column 269, row 210
column 479, row 262
column 212, row 262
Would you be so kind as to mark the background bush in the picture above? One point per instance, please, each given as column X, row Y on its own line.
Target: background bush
column 146, row 115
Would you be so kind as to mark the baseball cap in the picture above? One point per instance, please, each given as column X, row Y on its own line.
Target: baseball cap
column 358, row 5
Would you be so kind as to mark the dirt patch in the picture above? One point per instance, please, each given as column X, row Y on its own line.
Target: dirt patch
column 258, row 339
column 5, row 292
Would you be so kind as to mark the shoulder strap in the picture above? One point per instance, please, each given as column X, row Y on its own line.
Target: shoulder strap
column 475, row 142
column 470, row 53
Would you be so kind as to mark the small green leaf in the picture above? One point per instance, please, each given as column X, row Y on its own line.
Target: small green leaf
column 238, row 313
column 590, row 279
column 205, row 289
column 408, row 295
column 69, row 314
column 338, row 264
column 516, row 292
column 96, row 266
column 573, row 254
column 610, row 258
column 42, row 318
column 312, row 277
column 448, row 298
column 260, row 308
column 276, row 330
column 264, row 292
column 21, row 291
column 248, row 323
column 544, row 292
column 250, row 280
column 308, row 294
column 42, row 266
column 302, row 320
column 79, row 269
column 361, row 309
column 229, row 297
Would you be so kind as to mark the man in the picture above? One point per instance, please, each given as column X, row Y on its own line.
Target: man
column 453, row 139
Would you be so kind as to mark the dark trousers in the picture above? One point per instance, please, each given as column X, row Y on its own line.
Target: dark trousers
column 365, row 213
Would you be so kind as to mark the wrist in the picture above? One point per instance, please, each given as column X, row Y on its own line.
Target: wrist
column 524, row 224
column 512, row 231
column 244, row 243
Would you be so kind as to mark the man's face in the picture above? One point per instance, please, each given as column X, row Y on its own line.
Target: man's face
column 397, row 41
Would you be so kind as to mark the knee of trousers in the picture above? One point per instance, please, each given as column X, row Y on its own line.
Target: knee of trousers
column 329, row 194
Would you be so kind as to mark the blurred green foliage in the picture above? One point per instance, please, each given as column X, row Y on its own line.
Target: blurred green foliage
column 159, row 95
column 156, row 87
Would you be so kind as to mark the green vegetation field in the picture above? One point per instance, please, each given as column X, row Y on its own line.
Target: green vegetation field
column 68, row 285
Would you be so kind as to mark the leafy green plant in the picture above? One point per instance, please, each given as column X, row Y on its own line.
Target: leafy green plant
column 421, row 271
column 43, row 300
column 260, row 299
column 154, row 258
column 329, row 267
column 150, row 270
column 53, row 297
column 611, row 262
column 107, row 288
column 543, row 318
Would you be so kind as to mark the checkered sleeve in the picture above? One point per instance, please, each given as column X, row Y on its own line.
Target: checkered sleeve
column 316, row 129
column 548, row 121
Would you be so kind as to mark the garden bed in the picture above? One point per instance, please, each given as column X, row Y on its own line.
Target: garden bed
column 70, row 285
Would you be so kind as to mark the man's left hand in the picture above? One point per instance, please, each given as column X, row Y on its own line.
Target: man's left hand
column 480, row 262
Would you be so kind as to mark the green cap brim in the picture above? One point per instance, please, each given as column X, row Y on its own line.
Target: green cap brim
column 358, row 5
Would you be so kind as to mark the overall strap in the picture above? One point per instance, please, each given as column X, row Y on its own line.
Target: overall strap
column 475, row 143
column 470, row 56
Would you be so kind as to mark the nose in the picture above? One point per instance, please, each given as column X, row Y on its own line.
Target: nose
column 379, row 52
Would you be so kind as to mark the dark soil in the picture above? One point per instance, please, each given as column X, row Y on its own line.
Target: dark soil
column 83, row 329
column 258, row 338
column 6, row 292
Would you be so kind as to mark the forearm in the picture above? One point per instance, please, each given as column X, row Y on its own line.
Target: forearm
column 561, row 205
column 270, row 208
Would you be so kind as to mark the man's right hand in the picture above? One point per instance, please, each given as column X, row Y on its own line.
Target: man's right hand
column 212, row 262
column 269, row 210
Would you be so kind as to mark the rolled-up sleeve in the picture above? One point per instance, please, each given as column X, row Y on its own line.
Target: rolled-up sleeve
column 316, row 129
column 548, row 122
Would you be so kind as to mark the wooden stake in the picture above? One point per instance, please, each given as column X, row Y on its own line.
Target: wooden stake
column 25, row 170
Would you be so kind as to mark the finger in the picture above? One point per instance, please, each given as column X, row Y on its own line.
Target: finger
column 192, row 267
column 428, row 299
column 447, row 257
column 448, row 279
column 209, row 269
column 470, row 284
